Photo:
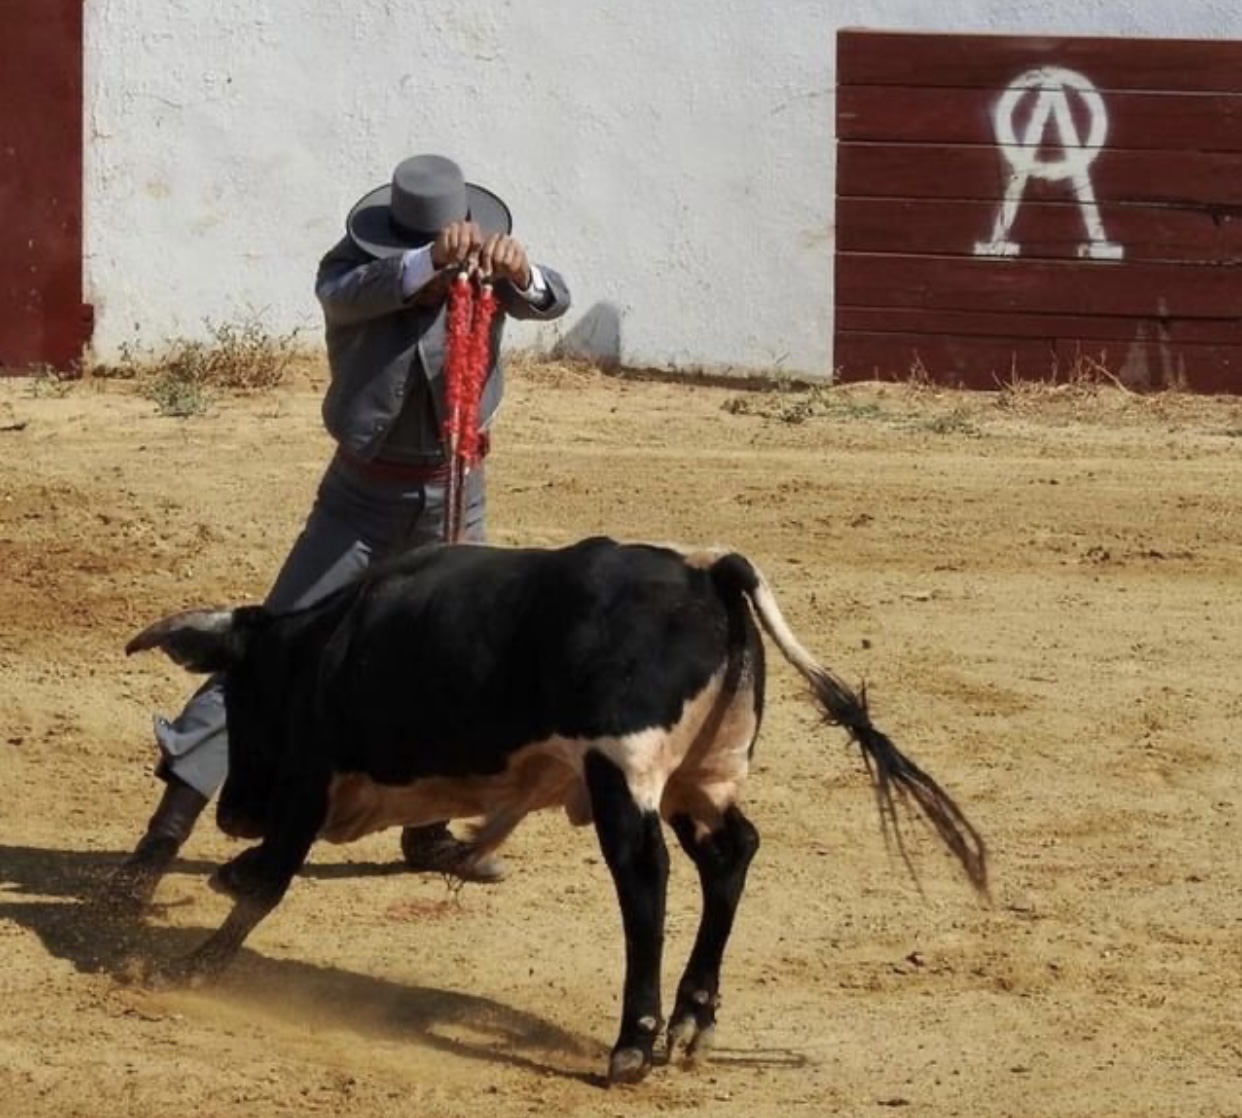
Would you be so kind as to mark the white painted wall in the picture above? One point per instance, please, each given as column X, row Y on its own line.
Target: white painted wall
column 674, row 160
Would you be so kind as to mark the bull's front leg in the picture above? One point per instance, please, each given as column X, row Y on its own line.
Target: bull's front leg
column 213, row 956
column 633, row 846
column 258, row 878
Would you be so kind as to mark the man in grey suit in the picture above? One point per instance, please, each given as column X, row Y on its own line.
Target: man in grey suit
column 383, row 291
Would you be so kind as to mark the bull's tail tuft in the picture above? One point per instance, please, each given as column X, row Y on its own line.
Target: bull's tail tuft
column 200, row 640
column 894, row 776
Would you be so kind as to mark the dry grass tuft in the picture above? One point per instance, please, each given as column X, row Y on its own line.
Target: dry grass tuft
column 186, row 377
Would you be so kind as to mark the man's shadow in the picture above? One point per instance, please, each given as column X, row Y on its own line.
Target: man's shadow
column 64, row 887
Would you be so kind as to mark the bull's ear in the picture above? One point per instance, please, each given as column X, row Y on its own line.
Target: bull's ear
column 200, row 640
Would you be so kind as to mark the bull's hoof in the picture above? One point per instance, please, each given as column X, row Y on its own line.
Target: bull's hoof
column 176, row 975
column 628, row 1065
column 170, row 974
column 689, row 1040
column 693, row 1025
column 682, row 1033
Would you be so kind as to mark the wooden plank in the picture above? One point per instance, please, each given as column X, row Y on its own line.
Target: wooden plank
column 959, row 362
column 42, row 319
column 1047, row 230
column 1053, row 287
column 1214, row 369
column 1023, row 324
column 991, row 363
column 1136, row 121
column 993, row 61
column 965, row 172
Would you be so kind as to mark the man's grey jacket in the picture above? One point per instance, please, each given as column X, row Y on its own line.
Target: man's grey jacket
column 386, row 355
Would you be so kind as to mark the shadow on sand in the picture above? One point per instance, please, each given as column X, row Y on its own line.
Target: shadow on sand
column 62, row 887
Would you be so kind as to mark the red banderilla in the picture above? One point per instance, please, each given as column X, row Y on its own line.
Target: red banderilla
column 471, row 308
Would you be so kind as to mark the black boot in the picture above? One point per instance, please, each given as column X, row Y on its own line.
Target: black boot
column 133, row 884
column 435, row 849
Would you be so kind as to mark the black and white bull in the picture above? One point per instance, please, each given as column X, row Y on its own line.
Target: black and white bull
column 622, row 683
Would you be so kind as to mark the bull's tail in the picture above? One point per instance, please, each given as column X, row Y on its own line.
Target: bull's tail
column 201, row 640
column 893, row 775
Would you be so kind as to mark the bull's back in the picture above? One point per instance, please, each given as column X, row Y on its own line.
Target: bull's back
column 455, row 659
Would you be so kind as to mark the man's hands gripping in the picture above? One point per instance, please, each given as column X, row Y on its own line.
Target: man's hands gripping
column 498, row 256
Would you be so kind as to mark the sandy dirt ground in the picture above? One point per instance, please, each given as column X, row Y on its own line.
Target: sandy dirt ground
column 1041, row 589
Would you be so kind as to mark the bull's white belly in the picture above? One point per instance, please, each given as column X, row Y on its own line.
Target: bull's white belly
column 693, row 768
column 547, row 774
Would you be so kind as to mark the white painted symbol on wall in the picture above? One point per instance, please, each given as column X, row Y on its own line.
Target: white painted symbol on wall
column 1050, row 87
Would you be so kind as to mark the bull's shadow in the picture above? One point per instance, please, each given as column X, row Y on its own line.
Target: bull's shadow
column 62, row 910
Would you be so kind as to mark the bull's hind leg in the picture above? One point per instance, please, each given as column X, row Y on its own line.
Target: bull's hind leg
column 722, row 857
column 632, row 841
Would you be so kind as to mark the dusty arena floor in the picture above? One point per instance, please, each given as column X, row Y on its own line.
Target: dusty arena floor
column 1041, row 589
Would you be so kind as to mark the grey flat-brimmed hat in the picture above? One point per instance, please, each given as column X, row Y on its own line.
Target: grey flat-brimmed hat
column 427, row 193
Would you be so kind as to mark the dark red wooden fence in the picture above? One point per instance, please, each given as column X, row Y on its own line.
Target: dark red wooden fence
column 42, row 319
column 1024, row 207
